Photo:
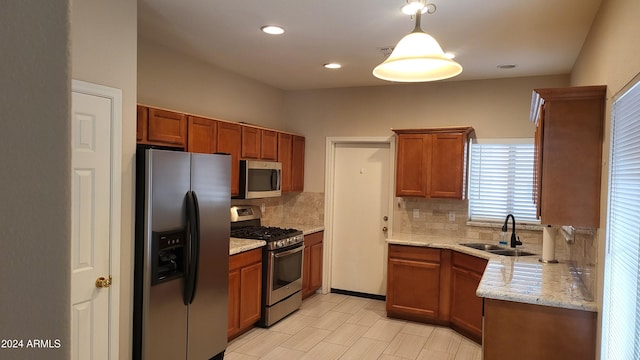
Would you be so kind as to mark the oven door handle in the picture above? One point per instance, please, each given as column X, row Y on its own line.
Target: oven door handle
column 288, row 252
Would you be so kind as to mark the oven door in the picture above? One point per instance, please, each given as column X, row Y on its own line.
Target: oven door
column 285, row 273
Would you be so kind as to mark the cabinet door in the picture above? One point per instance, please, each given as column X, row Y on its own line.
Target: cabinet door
column 412, row 162
column 234, row 303
column 250, row 294
column 250, row 143
column 466, row 307
column 306, row 271
column 315, row 273
column 202, row 135
column 297, row 163
column 269, row 148
column 167, row 127
column 229, row 142
column 285, row 143
column 446, row 172
column 142, row 121
column 413, row 288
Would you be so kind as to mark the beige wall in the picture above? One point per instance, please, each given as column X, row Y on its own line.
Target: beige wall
column 103, row 39
column 495, row 108
column 34, row 177
column 173, row 81
column 610, row 56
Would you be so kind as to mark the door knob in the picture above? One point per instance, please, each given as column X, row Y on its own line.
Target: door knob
column 385, row 229
column 101, row 282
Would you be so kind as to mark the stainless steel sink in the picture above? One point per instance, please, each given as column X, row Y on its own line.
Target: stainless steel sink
column 511, row 252
column 481, row 246
column 495, row 249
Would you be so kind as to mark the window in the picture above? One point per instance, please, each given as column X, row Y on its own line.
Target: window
column 501, row 180
column 621, row 299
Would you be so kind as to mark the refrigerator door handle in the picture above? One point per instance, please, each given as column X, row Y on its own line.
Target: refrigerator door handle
column 196, row 247
column 192, row 249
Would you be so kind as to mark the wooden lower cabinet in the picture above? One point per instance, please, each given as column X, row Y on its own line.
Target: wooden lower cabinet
column 417, row 285
column 533, row 332
column 245, row 286
column 466, row 307
column 312, row 263
column 436, row 286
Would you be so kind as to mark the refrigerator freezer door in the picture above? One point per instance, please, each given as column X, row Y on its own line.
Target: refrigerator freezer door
column 165, row 318
column 208, row 314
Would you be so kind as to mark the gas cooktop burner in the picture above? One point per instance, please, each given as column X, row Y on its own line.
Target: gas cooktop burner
column 266, row 233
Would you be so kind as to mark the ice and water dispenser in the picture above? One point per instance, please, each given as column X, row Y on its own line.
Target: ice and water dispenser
column 167, row 256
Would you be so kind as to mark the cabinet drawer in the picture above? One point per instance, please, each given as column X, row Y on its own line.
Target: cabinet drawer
column 469, row 262
column 245, row 258
column 414, row 253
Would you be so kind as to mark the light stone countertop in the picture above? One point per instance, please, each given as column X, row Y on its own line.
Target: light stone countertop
column 241, row 245
column 514, row 278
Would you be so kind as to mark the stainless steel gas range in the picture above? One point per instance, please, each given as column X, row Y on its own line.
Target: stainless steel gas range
column 281, row 262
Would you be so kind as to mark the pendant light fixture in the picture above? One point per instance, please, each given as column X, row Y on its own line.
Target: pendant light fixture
column 417, row 57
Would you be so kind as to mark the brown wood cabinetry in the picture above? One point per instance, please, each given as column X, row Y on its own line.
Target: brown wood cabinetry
column 432, row 163
column 251, row 141
column 245, row 286
column 466, row 307
column 568, row 165
column 532, row 332
column 312, row 263
column 229, row 142
column 285, row 147
column 269, row 147
column 202, row 134
column 161, row 127
column 418, row 283
column 291, row 155
column 297, row 163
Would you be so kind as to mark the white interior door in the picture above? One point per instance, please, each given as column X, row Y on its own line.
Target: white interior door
column 95, row 223
column 360, row 212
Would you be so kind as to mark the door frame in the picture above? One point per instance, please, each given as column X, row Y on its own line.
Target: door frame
column 115, row 97
column 331, row 144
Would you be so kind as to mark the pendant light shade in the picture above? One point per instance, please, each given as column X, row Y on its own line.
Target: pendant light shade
column 417, row 57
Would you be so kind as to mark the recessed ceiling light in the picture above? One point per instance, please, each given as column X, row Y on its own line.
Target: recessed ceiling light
column 272, row 29
column 506, row 66
column 332, row 66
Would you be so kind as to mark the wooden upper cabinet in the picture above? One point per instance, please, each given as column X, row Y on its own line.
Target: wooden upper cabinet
column 251, row 141
column 229, row 141
column 202, row 135
column 297, row 163
column 285, row 148
column 167, row 127
column 269, row 147
column 432, row 163
column 142, row 121
column 569, row 148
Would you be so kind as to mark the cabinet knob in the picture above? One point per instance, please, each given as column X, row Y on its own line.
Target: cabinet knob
column 385, row 229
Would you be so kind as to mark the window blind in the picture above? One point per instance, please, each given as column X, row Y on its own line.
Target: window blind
column 621, row 300
column 501, row 182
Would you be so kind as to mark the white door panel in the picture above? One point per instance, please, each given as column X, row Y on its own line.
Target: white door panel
column 360, row 203
column 91, row 224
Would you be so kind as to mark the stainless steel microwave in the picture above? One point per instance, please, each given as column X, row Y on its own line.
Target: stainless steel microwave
column 260, row 179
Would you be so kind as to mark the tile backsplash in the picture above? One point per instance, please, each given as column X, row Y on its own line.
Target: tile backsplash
column 306, row 208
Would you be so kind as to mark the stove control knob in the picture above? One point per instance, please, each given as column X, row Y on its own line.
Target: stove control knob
column 279, row 243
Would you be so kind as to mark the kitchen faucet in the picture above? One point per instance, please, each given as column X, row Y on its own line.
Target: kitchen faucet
column 515, row 240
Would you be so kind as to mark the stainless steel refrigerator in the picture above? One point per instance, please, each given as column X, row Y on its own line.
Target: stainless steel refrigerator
column 181, row 255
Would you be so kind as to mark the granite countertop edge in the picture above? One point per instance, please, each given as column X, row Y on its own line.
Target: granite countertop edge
column 237, row 246
column 535, row 283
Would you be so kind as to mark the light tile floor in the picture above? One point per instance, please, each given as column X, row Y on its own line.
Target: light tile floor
column 335, row 326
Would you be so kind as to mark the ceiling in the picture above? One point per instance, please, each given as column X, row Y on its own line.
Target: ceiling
column 540, row 37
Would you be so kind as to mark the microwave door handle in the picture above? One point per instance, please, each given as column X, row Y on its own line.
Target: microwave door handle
column 274, row 180
column 288, row 252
